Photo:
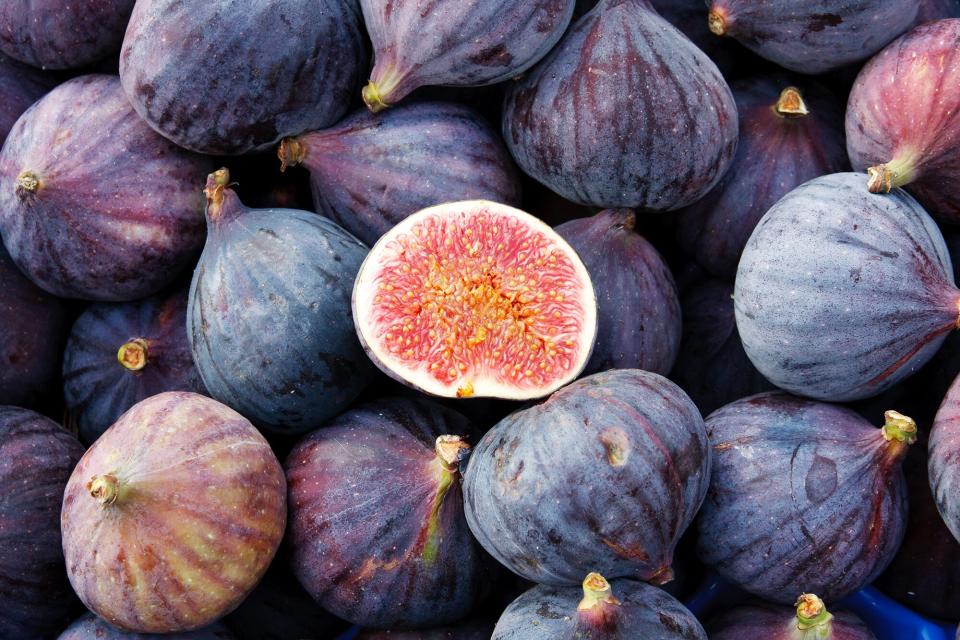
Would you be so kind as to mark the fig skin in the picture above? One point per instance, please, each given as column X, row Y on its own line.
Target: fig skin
column 203, row 74
column 638, row 316
column 937, row 10
column 90, row 627
column 20, row 86
column 841, row 293
column 773, row 622
column 370, row 171
column 900, row 118
column 944, row 450
column 172, row 517
column 805, row 497
column 36, row 458
column 93, row 204
column 656, row 130
column 377, row 532
column 121, row 353
column 641, row 443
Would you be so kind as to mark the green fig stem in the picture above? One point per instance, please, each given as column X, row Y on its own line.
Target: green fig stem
column 290, row 152
column 791, row 104
column 812, row 614
column 104, row 488
column 884, row 178
column 899, row 428
column 382, row 90
column 373, row 98
column 27, row 183
column 717, row 21
column 133, row 354
column 216, row 183
column 596, row 592
column 450, row 450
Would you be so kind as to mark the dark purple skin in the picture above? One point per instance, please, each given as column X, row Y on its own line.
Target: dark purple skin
column 376, row 537
column 816, row 35
column 36, row 459
column 638, row 316
column 468, row 630
column 20, row 87
column 97, row 387
column 231, row 78
column 773, row 622
column 712, row 366
column 937, row 10
column 90, row 627
column 805, row 497
column 778, row 151
column 943, row 464
column 371, row 171
column 629, row 435
column 115, row 214
column 624, row 112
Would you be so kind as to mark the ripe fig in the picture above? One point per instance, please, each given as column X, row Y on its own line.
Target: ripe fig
column 377, row 531
column 476, row 299
column 937, row 10
column 20, row 86
column 173, row 516
column 621, row 610
column 638, row 311
column 36, row 458
column 369, row 172
column 805, row 496
column 93, row 204
column 269, row 313
column 624, row 112
column 120, row 354
column 90, row 627
column 810, row 620
column 631, row 436
column 840, row 293
column 944, row 453
column 813, row 36
column 199, row 73
column 417, row 43
column 901, row 124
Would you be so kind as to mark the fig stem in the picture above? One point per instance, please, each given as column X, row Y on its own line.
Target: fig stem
column 899, row 427
column 105, row 488
column 884, row 178
column 451, row 451
column 382, row 90
column 812, row 613
column 596, row 591
column 791, row 104
column 133, row 354
column 373, row 98
column 290, row 153
column 717, row 22
column 27, row 182
column 216, row 183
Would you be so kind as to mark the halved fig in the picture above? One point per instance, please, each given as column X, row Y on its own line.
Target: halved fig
column 476, row 299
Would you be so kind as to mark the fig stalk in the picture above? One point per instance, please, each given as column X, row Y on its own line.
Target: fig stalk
column 813, row 620
column 791, row 104
column 27, row 182
column 899, row 428
column 884, row 178
column 380, row 91
column 717, row 22
column 216, row 182
column 451, row 451
column 596, row 593
column 104, row 488
column 290, row 153
column 133, row 354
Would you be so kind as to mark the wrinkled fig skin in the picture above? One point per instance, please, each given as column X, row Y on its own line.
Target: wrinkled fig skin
column 813, row 36
column 36, row 458
column 203, row 74
column 20, row 87
column 629, row 435
column 944, row 455
column 777, row 152
column 841, row 293
column 431, row 42
column 712, row 366
column 638, row 314
column 269, row 317
column 371, row 171
column 656, row 129
column 902, row 113
column 773, row 622
column 172, row 517
column 98, row 387
column 90, row 627
column 113, row 213
column 364, row 541
column 805, row 497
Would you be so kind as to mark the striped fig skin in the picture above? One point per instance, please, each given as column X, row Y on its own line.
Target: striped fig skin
column 805, row 497
column 98, row 387
column 944, row 450
column 773, row 622
column 841, row 293
column 656, row 129
column 228, row 78
column 90, row 627
column 902, row 112
column 20, row 87
column 369, row 171
column 629, row 435
column 816, row 35
column 114, row 213
column 198, row 510
column 638, row 314
column 36, row 458
column 364, row 538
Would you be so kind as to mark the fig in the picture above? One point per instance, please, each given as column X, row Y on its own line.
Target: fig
column 841, row 293
column 36, row 458
column 624, row 112
column 417, row 43
column 815, row 36
column 937, row 10
column 942, row 466
column 20, row 86
column 638, row 315
column 231, row 78
column 631, row 436
column 810, row 620
column 369, row 172
column 173, row 516
column 93, row 204
column 377, row 532
column 90, row 627
column 900, row 122
column 805, row 496
column 476, row 299
column 687, row 16
column 788, row 135
column 268, row 318
column 623, row 609
column 121, row 353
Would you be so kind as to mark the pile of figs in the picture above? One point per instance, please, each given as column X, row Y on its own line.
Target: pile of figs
column 450, row 320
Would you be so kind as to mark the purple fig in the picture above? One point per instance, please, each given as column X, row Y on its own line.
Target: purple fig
column 944, row 454
column 937, row 10
column 624, row 112
column 90, row 627
column 810, row 620
column 369, row 171
column 805, row 496
column 687, row 15
column 20, row 87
